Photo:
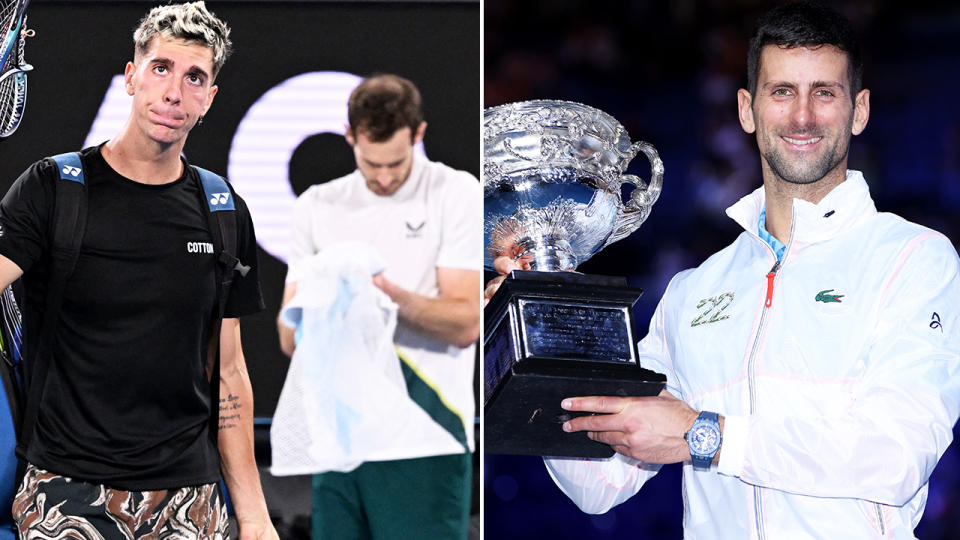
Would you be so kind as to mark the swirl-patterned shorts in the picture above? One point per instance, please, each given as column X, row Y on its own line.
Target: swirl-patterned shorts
column 51, row 506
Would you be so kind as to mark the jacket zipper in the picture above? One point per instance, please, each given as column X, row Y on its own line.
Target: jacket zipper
column 768, row 302
column 883, row 529
column 770, row 277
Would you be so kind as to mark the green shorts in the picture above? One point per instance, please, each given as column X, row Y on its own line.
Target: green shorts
column 403, row 499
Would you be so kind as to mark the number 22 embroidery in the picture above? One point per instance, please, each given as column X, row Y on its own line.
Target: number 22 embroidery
column 713, row 307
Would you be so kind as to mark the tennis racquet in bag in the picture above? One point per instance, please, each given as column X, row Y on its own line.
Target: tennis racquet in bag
column 13, row 97
column 13, row 67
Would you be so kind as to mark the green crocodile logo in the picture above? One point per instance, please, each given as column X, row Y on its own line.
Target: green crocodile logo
column 826, row 298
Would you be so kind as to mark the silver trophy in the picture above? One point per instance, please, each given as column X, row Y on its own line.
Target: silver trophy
column 552, row 178
column 553, row 174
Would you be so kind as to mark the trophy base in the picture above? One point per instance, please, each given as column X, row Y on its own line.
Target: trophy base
column 550, row 336
column 524, row 416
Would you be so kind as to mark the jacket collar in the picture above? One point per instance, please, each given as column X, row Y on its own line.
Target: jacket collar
column 846, row 205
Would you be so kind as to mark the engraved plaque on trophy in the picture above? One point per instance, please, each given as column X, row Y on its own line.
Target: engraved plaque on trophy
column 553, row 172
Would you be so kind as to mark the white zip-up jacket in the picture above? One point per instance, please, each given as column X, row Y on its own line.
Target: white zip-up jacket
column 839, row 392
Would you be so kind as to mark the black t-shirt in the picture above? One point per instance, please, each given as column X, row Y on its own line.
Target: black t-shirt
column 126, row 401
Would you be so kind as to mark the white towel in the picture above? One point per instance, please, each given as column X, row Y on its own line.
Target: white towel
column 345, row 400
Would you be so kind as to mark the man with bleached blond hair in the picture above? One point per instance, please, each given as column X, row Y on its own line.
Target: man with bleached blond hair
column 129, row 440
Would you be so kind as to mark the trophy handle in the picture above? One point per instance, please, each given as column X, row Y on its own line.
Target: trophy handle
column 633, row 213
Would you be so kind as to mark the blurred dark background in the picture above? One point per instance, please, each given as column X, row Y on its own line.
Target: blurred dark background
column 81, row 46
column 669, row 71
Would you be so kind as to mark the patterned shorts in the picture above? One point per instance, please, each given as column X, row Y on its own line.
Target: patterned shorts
column 51, row 506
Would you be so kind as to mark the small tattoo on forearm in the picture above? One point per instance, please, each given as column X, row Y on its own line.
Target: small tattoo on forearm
column 230, row 411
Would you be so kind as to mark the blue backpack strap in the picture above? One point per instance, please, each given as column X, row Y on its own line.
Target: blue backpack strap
column 219, row 197
column 222, row 220
column 16, row 424
column 70, row 166
column 69, row 224
column 220, row 204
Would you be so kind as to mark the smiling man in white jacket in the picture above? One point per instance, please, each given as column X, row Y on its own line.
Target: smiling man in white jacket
column 824, row 340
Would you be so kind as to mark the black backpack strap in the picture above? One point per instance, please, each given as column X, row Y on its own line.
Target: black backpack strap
column 69, row 224
column 222, row 219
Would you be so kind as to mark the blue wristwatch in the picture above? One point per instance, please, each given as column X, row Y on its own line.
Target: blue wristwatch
column 704, row 439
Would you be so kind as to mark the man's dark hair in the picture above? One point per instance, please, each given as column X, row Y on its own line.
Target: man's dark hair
column 383, row 104
column 805, row 24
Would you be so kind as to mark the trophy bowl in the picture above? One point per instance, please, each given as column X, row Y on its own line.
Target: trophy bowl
column 552, row 178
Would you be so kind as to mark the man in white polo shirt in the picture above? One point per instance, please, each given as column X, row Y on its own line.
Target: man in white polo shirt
column 422, row 218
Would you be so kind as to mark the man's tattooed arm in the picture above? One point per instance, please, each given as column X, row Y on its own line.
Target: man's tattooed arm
column 235, row 438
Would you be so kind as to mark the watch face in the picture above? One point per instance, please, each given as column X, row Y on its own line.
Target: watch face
column 705, row 439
